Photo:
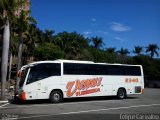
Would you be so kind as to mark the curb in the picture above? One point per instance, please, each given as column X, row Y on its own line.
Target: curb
column 5, row 101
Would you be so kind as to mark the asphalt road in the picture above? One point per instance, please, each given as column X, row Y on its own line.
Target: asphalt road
column 141, row 107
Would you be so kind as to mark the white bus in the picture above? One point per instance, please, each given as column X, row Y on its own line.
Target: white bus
column 60, row 79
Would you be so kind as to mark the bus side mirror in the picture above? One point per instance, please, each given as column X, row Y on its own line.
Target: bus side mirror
column 20, row 73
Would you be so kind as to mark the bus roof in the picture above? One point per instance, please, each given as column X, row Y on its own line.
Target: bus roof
column 73, row 61
column 76, row 61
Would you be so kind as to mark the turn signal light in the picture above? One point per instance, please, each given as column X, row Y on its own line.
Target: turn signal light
column 23, row 96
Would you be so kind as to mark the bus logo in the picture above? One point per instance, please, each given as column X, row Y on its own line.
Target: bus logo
column 83, row 87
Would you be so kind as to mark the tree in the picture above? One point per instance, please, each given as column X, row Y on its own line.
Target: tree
column 111, row 50
column 123, row 53
column 7, row 11
column 151, row 66
column 30, row 42
column 48, row 35
column 40, row 36
column 97, row 42
column 98, row 55
column 22, row 27
column 152, row 49
column 23, row 21
column 138, row 50
column 71, row 43
column 111, row 55
column 48, row 51
column 5, row 51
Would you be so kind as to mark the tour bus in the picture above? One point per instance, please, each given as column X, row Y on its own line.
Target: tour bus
column 60, row 79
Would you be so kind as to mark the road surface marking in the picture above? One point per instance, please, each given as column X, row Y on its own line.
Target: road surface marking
column 67, row 113
column 4, row 105
column 41, row 105
column 4, row 101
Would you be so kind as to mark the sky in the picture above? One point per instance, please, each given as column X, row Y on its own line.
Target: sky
column 120, row 23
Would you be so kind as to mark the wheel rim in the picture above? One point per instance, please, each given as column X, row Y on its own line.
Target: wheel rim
column 121, row 95
column 56, row 97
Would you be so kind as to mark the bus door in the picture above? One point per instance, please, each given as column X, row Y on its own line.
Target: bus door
column 41, row 90
column 35, row 84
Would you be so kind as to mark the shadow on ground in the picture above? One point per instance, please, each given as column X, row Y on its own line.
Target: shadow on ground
column 70, row 100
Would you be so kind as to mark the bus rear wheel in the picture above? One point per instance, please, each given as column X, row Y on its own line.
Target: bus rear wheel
column 121, row 94
column 56, row 97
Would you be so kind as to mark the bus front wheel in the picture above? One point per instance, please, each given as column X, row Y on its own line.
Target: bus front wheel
column 56, row 97
column 121, row 94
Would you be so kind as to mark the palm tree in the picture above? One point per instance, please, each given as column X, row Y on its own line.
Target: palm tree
column 23, row 21
column 152, row 49
column 123, row 53
column 22, row 25
column 30, row 42
column 48, row 35
column 71, row 43
column 111, row 54
column 111, row 50
column 97, row 42
column 138, row 50
column 7, row 11
column 40, row 36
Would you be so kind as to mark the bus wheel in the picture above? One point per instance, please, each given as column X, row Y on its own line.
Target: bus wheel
column 56, row 97
column 121, row 94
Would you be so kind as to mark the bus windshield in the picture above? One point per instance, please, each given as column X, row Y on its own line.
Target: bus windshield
column 43, row 71
column 22, row 76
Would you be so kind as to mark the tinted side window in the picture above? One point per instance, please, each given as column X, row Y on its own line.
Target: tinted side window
column 42, row 71
column 132, row 70
column 97, row 69
column 83, row 69
column 76, row 69
column 114, row 70
column 55, row 69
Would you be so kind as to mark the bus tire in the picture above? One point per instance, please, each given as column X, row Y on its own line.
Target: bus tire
column 121, row 94
column 56, row 96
